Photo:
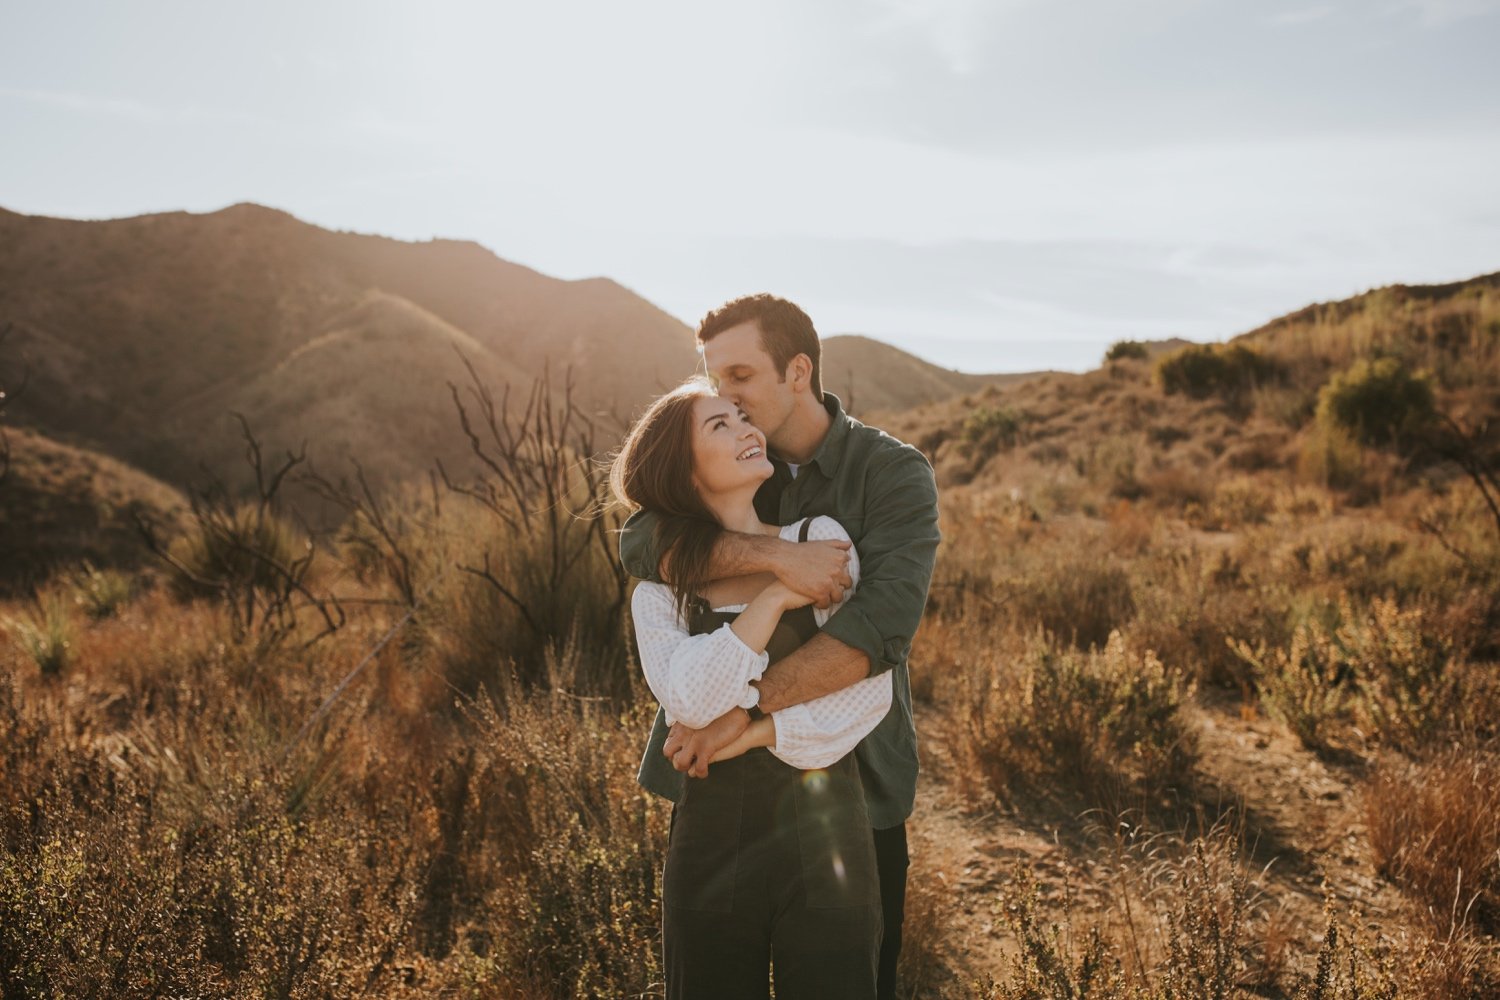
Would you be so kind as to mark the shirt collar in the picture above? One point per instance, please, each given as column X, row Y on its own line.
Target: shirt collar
column 831, row 451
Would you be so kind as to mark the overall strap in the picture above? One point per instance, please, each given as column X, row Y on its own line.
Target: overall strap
column 806, row 526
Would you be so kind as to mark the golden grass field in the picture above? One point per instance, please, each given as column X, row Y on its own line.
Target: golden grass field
column 1207, row 690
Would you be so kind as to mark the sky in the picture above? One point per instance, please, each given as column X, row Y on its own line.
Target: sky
column 994, row 185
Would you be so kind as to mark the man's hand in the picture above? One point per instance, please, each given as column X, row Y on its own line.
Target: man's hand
column 691, row 750
column 818, row 569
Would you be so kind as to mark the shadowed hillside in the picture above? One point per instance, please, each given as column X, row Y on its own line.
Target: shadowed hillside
column 61, row 506
column 142, row 335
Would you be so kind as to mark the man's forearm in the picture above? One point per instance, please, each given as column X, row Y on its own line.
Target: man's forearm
column 738, row 554
column 821, row 666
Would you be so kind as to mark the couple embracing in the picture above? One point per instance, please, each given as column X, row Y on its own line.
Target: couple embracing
column 785, row 551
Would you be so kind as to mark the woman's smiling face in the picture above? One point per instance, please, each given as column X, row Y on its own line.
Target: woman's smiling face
column 729, row 453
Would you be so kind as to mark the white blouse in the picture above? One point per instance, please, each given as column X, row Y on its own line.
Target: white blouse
column 698, row 678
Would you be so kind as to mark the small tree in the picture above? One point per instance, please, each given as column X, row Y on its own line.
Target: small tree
column 1228, row 371
column 552, row 558
column 1378, row 401
column 1127, row 350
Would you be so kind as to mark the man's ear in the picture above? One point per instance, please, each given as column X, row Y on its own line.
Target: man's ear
column 799, row 371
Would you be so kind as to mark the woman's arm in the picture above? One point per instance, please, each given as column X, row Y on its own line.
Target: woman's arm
column 820, row 730
column 698, row 678
column 760, row 733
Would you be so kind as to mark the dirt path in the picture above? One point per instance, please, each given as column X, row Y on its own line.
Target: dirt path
column 1303, row 824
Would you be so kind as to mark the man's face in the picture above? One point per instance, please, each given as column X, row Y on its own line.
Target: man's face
column 745, row 375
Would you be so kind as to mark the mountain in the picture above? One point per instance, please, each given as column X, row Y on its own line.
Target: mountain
column 142, row 335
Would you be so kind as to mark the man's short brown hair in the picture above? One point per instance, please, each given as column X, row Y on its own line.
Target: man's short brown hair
column 785, row 331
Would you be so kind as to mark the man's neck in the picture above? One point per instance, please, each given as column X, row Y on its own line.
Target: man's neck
column 803, row 433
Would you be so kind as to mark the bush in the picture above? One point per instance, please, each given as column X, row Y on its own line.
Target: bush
column 1331, row 457
column 1127, row 350
column 1080, row 598
column 237, row 552
column 991, row 429
column 46, row 633
column 1378, row 401
column 1186, row 938
column 1238, row 503
column 1384, row 668
column 1303, row 685
column 1229, row 372
column 1096, row 723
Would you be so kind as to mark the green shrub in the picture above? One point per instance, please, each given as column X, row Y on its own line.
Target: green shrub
column 1127, row 350
column 1229, row 372
column 1378, row 402
column 991, row 429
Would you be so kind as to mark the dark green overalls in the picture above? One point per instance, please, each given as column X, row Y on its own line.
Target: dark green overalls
column 768, row 863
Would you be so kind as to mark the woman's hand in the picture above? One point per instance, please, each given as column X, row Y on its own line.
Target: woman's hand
column 786, row 597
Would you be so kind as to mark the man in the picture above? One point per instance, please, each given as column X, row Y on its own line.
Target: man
column 764, row 355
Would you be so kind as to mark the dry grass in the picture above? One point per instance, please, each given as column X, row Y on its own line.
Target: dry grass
column 1435, row 830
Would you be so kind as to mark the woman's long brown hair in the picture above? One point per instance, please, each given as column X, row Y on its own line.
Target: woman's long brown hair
column 654, row 471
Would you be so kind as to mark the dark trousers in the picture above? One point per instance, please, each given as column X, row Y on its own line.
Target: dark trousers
column 891, row 860
column 771, row 866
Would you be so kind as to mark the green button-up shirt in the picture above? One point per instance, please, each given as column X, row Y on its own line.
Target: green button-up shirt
column 882, row 491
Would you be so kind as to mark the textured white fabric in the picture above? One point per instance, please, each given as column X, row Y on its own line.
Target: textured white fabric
column 698, row 678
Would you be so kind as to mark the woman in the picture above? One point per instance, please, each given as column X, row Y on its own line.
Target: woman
column 770, row 857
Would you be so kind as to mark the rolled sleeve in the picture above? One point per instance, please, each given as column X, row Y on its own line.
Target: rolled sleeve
column 821, row 731
column 897, row 550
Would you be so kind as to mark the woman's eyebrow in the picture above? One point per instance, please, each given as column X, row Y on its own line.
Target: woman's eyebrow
column 716, row 416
